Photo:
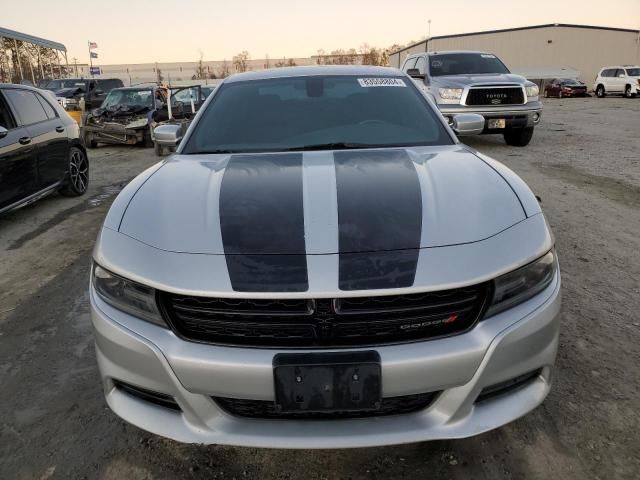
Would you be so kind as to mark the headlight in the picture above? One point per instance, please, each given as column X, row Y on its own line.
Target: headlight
column 450, row 93
column 532, row 91
column 520, row 285
column 130, row 297
column 141, row 122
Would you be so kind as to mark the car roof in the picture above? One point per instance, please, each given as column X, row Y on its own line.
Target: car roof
column 16, row 85
column 320, row 70
column 620, row 66
column 447, row 52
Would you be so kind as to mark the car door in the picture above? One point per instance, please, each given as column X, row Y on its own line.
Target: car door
column 18, row 171
column 618, row 81
column 47, row 133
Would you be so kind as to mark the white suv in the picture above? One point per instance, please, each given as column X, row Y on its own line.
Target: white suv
column 621, row 79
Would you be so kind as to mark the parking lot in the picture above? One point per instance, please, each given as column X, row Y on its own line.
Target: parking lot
column 584, row 163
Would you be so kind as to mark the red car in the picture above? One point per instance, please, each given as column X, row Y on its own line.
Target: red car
column 565, row 87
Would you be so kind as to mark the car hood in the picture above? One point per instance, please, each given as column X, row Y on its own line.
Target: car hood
column 465, row 80
column 349, row 201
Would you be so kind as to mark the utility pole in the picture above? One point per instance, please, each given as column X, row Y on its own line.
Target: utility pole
column 428, row 34
column 75, row 65
column 90, row 60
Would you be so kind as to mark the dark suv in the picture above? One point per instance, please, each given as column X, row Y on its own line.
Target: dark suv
column 40, row 148
column 69, row 91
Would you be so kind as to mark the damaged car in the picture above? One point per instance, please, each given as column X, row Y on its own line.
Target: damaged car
column 128, row 115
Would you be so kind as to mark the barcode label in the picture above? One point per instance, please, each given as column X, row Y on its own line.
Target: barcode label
column 381, row 82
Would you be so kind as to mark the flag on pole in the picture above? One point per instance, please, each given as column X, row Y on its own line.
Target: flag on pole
column 94, row 55
column 93, row 45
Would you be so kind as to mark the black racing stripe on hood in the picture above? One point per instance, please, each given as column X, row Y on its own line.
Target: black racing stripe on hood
column 268, row 273
column 262, row 222
column 379, row 218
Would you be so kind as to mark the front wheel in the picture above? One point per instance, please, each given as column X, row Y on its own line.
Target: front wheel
column 77, row 174
column 518, row 137
column 600, row 91
column 560, row 94
column 157, row 148
column 89, row 141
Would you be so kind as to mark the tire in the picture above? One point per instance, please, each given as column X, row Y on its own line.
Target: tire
column 147, row 141
column 600, row 93
column 546, row 93
column 560, row 94
column 77, row 174
column 89, row 141
column 627, row 92
column 157, row 148
column 518, row 137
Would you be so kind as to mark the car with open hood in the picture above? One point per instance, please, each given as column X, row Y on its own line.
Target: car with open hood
column 322, row 247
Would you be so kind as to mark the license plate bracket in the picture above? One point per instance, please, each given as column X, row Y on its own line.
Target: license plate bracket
column 327, row 382
column 496, row 123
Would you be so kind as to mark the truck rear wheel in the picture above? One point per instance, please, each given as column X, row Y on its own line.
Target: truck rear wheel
column 518, row 137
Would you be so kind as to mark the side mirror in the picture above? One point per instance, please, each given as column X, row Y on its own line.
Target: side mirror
column 98, row 92
column 467, row 124
column 168, row 135
column 621, row 75
column 3, row 132
column 415, row 73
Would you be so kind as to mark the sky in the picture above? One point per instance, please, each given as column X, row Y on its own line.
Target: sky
column 141, row 31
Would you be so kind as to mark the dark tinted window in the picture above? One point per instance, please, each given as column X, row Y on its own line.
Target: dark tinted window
column 49, row 110
column 305, row 112
column 409, row 64
column 569, row 82
column 421, row 65
column 465, row 64
column 6, row 119
column 108, row 85
column 633, row 72
column 27, row 106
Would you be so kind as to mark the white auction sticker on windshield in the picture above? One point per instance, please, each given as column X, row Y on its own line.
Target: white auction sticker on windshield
column 381, row 82
column 487, row 55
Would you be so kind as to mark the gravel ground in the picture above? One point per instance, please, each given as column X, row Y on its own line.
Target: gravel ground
column 584, row 161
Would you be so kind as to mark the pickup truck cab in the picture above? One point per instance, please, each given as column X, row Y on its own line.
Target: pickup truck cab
column 478, row 82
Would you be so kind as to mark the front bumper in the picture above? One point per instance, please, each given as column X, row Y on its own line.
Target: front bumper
column 111, row 132
column 517, row 116
column 515, row 342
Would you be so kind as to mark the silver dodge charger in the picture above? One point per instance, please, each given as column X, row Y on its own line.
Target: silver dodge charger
column 322, row 264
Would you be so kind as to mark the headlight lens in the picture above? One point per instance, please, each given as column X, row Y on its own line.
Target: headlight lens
column 450, row 93
column 141, row 122
column 532, row 91
column 130, row 297
column 522, row 284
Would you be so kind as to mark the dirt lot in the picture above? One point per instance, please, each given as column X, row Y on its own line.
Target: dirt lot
column 584, row 162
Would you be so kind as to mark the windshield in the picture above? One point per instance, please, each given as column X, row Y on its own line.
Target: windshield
column 633, row 72
column 465, row 64
column 316, row 113
column 129, row 98
column 68, row 83
column 569, row 82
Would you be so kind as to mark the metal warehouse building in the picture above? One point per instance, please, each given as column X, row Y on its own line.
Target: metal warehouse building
column 543, row 51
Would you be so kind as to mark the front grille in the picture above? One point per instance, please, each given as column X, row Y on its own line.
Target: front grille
column 495, row 96
column 339, row 322
column 267, row 409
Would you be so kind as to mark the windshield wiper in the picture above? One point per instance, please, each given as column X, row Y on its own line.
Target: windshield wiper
column 331, row 146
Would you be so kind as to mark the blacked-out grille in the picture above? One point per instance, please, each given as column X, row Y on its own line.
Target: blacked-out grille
column 339, row 322
column 267, row 409
column 495, row 96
